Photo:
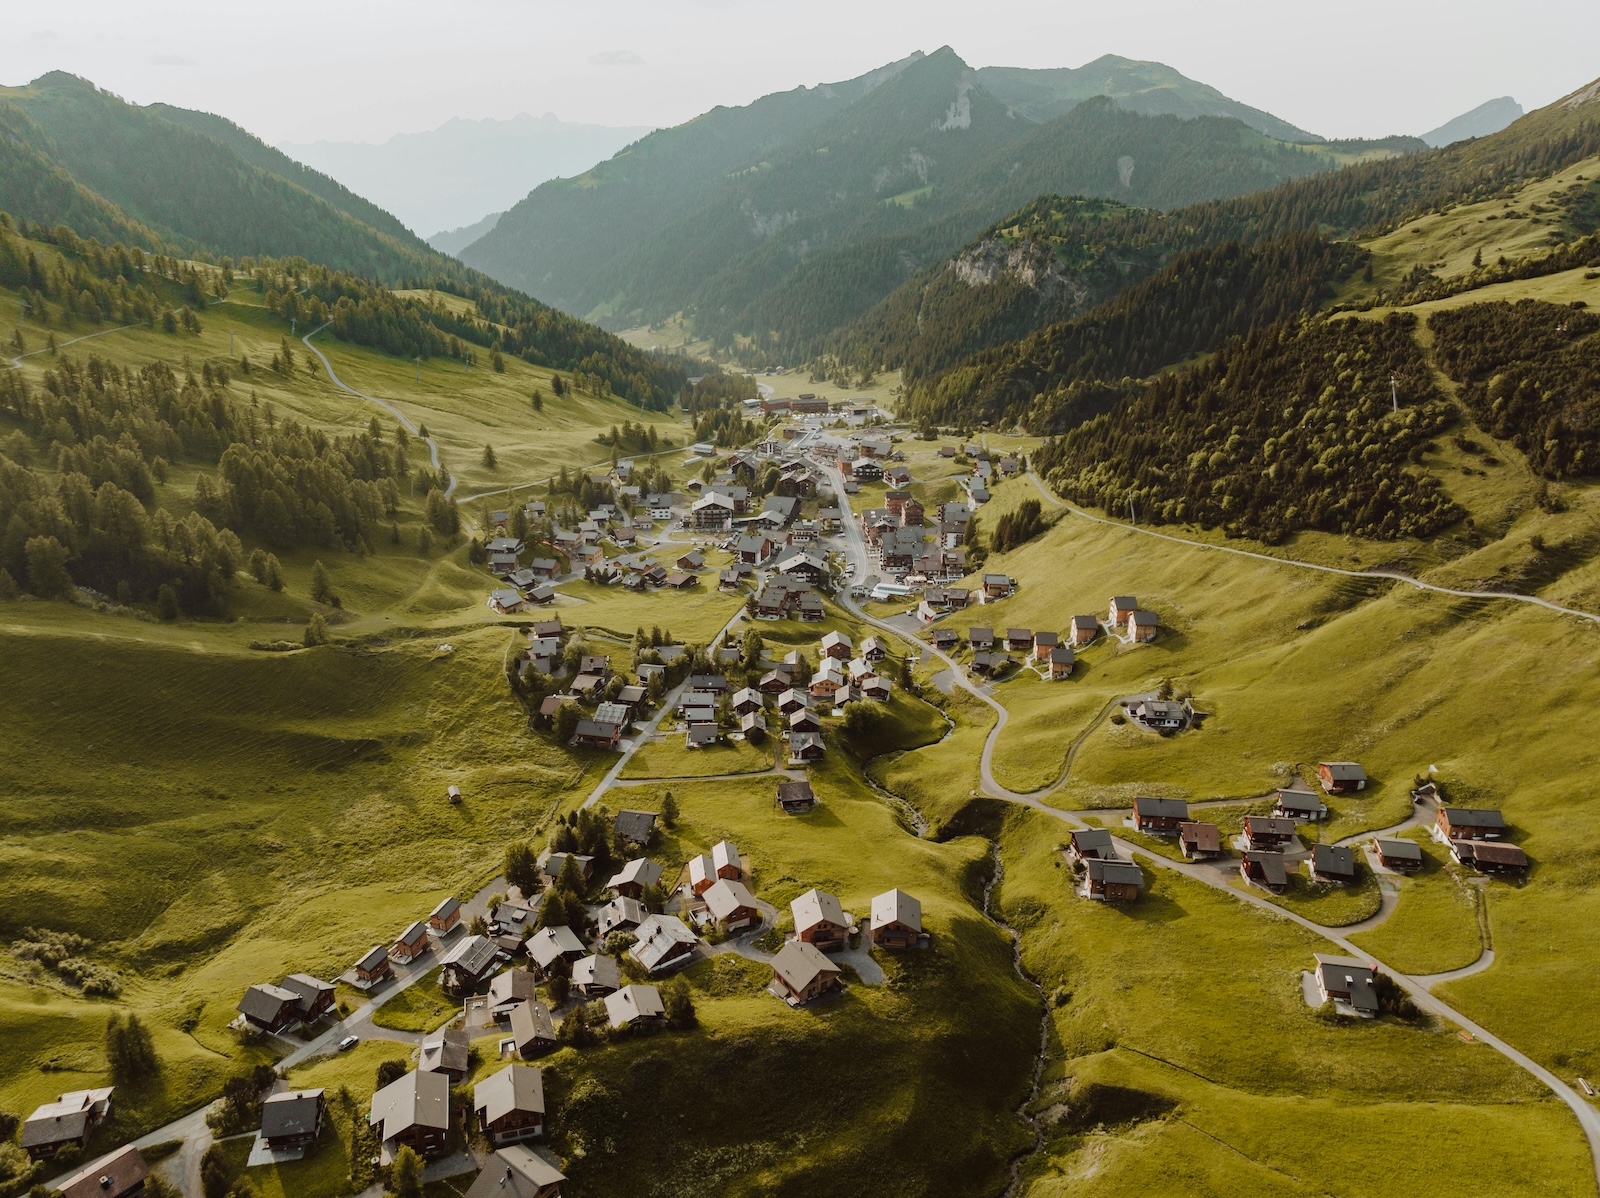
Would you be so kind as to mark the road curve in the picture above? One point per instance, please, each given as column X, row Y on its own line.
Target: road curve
column 1588, row 1117
column 433, row 446
column 1289, row 561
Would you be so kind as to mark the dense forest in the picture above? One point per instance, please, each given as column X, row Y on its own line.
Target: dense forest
column 1288, row 428
column 1198, row 301
column 1530, row 374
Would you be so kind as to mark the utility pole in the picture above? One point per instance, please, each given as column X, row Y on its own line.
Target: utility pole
column 1394, row 392
column 1132, row 518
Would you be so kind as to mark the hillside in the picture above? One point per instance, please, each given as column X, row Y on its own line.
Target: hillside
column 1150, row 88
column 163, row 178
column 773, row 252
column 923, row 327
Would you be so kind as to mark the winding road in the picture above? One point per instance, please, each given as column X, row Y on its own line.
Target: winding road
column 333, row 377
column 1417, row 987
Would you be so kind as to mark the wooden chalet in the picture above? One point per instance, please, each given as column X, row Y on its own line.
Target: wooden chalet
column 1159, row 817
column 596, row 976
column 516, row 1171
column 69, row 1120
column 1402, row 856
column 630, row 881
column 730, row 905
column 1019, row 640
column 414, row 1113
column 1299, row 805
column 121, row 1175
column 1469, row 823
column 801, row 972
column 469, row 964
column 1200, row 842
column 636, row 829
column 981, row 639
column 796, row 797
column 1112, row 881
column 1122, row 606
column 1266, row 870
column 270, row 1009
column 411, row 943
column 533, row 1030
column 662, row 942
column 1341, row 777
column 1142, row 626
column 447, row 1051
column 1084, row 629
column 1092, row 843
column 372, row 969
column 1350, row 985
column 1332, row 863
column 1490, row 856
column 446, row 917
column 621, row 914
column 896, row 920
column 292, row 1121
column 510, row 1105
column 820, row 920
column 635, row 1006
column 1267, row 832
column 1059, row 662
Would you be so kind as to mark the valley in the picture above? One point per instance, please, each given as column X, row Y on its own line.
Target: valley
column 1108, row 716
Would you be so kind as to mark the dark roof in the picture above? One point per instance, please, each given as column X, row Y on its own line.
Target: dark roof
column 112, row 1177
column 1403, row 850
column 796, row 792
column 292, row 1113
column 1300, row 800
column 1333, row 859
column 1116, row 872
column 1206, row 837
column 265, row 1003
column 1344, row 771
column 1161, row 808
column 1474, row 817
column 1091, row 840
column 1271, row 865
column 635, row 825
column 1493, row 851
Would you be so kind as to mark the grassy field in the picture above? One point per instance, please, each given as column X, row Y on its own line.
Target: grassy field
column 420, row 1007
column 1435, row 925
column 670, row 758
column 1179, row 1034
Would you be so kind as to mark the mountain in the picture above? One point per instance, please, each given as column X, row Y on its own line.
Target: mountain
column 1150, row 88
column 773, row 244
column 453, row 241
column 169, row 180
column 1489, row 117
column 450, row 176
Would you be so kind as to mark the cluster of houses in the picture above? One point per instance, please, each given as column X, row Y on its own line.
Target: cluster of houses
column 1106, row 876
column 991, row 652
column 615, row 708
column 906, row 544
column 1476, row 836
column 986, row 467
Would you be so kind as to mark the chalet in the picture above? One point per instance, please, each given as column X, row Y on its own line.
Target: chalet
column 805, row 747
column 804, row 721
column 1122, row 606
column 752, row 721
column 414, row 1113
column 503, row 545
column 1350, row 985
column 68, row 1120
column 270, row 1009
column 1160, row 715
column 373, row 969
column 711, row 684
column 1084, row 629
column 1265, row 870
column 546, row 568
column 548, row 945
column 807, row 565
column 1299, row 805
column 292, row 1121
column 820, row 920
column 1341, row 777
column 896, row 920
column 796, row 797
column 592, row 734
column 447, row 1051
column 1468, row 823
column 551, row 865
column 897, row 476
column 1142, row 626
column 587, row 686
column 510, row 916
column 979, row 495
column 745, row 701
column 510, row 1104
column 866, row 470
column 701, row 736
column 981, row 639
column 1161, row 817
column 997, row 586
column 636, row 829
column 532, row 1029
column 828, row 680
column 710, row 513
column 754, row 550
column 831, row 518
column 623, row 537
column 542, row 628
column 622, row 914
column 634, row 698
column 989, row 664
column 507, row 601
column 778, row 511
column 877, row 688
column 503, row 565
column 1092, row 843
column 1267, row 832
column 1019, row 640
column 121, row 1175
column 468, row 964
column 1199, row 842
column 1333, row 863
column 316, row 996
column 792, row 700
column 510, row 990
column 726, row 861
column 693, row 560
column 730, row 905
column 663, row 942
column 1402, row 856
column 680, row 580
column 801, row 972
column 944, row 638
column 635, row 1006
column 1059, row 662
column 541, row 596
column 410, row 944
column 1043, row 643
column 516, row 1171
column 1112, row 881
column 1490, row 856
column 595, row 977
column 727, row 579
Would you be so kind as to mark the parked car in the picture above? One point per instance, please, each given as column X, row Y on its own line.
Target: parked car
column 348, row 1043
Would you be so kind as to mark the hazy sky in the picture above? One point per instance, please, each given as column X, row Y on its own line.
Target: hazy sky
column 300, row 71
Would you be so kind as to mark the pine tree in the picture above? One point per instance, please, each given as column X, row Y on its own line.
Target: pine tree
column 166, row 602
column 405, row 1176
column 316, row 631
column 488, row 457
column 321, row 589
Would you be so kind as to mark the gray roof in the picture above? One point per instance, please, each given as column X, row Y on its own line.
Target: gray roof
column 530, row 1022
column 374, row 957
column 1333, row 859
column 416, row 1100
column 265, row 1002
column 896, row 906
column 110, row 1177
column 472, row 955
column 799, row 964
column 1116, row 872
column 545, row 945
column 1344, row 771
column 1346, row 975
column 445, row 1051
column 634, row 1002
column 1092, row 841
column 815, row 907
column 659, row 937
column 726, row 896
column 1474, row 817
column 641, row 870
column 514, row 1088
column 1271, row 864
column 1161, row 808
column 292, row 1113
column 635, row 825
column 1404, row 850
column 597, row 971
column 514, row 985
column 1300, row 800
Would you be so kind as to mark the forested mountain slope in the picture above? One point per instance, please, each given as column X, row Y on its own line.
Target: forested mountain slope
column 777, row 251
column 1054, row 254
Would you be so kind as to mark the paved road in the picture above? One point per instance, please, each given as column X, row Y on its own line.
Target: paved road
column 1287, row 561
column 433, row 446
column 1587, row 1116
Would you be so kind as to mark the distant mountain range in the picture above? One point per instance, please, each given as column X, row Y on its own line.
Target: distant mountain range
column 775, row 223
column 453, row 241
column 1488, row 117
column 450, row 176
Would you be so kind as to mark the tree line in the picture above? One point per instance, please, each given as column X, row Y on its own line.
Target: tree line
column 1286, row 429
